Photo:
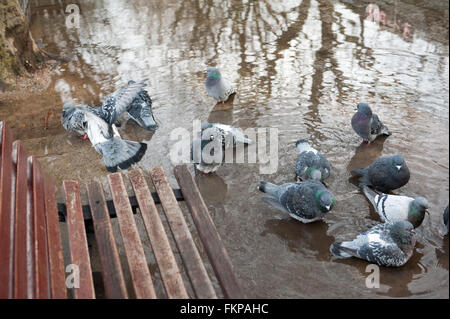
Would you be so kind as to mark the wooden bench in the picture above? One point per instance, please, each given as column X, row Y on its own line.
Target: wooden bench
column 31, row 249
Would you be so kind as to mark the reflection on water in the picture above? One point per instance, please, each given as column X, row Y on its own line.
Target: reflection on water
column 299, row 66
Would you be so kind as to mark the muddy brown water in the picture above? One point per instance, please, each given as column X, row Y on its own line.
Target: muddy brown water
column 299, row 66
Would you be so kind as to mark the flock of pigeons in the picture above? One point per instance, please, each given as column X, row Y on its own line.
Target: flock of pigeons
column 390, row 243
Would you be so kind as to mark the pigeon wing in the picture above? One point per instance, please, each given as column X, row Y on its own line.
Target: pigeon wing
column 118, row 102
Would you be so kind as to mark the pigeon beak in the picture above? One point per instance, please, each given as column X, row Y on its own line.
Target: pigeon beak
column 327, row 207
column 205, row 72
column 398, row 167
column 413, row 231
column 427, row 212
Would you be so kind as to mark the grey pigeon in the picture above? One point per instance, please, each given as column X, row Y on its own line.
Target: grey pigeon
column 445, row 217
column 385, row 174
column 229, row 135
column 367, row 125
column 311, row 164
column 207, row 155
column 217, row 86
column 386, row 244
column 306, row 201
column 97, row 123
column 208, row 152
column 392, row 208
column 140, row 110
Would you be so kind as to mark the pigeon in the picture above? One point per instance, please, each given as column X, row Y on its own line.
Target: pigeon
column 229, row 135
column 306, row 201
column 386, row 244
column 97, row 123
column 385, row 174
column 207, row 155
column 367, row 125
column 208, row 151
column 445, row 217
column 217, row 86
column 392, row 208
column 140, row 110
column 311, row 164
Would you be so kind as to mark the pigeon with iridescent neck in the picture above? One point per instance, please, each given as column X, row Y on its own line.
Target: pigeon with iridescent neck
column 306, row 201
column 367, row 125
column 311, row 164
column 386, row 244
column 392, row 208
column 385, row 174
column 217, row 86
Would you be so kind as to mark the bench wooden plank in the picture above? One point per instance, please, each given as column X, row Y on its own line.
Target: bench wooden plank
column 78, row 242
column 23, row 258
column 140, row 274
column 170, row 273
column 55, row 257
column 212, row 242
column 40, row 234
column 113, row 278
column 6, row 216
column 191, row 258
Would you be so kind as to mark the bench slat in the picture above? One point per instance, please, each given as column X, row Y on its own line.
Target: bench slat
column 140, row 273
column 23, row 258
column 6, row 218
column 56, row 261
column 170, row 273
column 215, row 249
column 40, row 233
column 196, row 270
column 113, row 278
column 78, row 242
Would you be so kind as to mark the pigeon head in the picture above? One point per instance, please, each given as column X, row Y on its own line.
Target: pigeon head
column 417, row 209
column 301, row 141
column 364, row 109
column 213, row 73
column 210, row 134
column 325, row 200
column 314, row 174
column 402, row 232
column 397, row 162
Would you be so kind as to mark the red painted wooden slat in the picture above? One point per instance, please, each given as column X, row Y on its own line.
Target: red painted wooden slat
column 55, row 254
column 170, row 274
column 6, row 214
column 140, row 274
column 113, row 279
column 22, row 257
column 191, row 257
column 78, row 241
column 42, row 288
column 209, row 235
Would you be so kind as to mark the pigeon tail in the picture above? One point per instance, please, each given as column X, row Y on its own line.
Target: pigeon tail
column 338, row 250
column 370, row 194
column 121, row 153
column 269, row 188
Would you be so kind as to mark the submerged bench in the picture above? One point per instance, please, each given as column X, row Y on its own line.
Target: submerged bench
column 31, row 250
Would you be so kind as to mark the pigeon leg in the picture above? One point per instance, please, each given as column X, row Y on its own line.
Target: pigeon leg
column 85, row 137
column 223, row 102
